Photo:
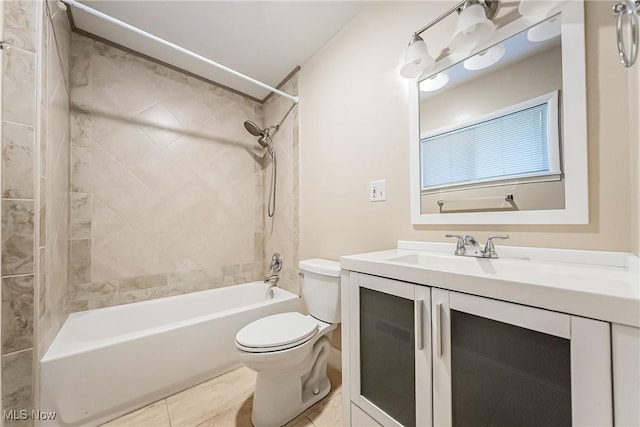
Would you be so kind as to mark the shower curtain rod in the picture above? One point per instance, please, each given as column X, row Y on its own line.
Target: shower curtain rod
column 176, row 47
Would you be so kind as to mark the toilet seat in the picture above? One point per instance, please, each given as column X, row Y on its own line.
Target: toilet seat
column 277, row 332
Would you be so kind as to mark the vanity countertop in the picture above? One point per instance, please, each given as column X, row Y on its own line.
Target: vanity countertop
column 599, row 285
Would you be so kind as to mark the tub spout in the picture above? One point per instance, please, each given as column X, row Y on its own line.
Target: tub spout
column 272, row 280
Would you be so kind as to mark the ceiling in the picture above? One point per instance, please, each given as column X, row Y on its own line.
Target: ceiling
column 265, row 40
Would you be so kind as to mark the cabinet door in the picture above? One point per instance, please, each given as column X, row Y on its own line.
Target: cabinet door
column 391, row 354
column 500, row 364
column 626, row 374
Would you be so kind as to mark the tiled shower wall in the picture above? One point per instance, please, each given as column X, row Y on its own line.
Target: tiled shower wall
column 35, row 163
column 281, row 231
column 167, row 186
column 52, row 304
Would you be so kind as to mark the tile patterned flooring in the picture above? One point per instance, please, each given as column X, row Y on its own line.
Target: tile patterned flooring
column 226, row 401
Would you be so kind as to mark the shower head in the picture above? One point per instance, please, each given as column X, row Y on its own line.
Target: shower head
column 264, row 135
column 253, row 129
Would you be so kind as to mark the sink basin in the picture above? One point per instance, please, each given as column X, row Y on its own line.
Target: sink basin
column 466, row 265
column 516, row 269
column 600, row 285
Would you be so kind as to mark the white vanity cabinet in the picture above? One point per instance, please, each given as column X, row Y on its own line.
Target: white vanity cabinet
column 499, row 363
column 417, row 355
column 625, row 347
column 389, row 351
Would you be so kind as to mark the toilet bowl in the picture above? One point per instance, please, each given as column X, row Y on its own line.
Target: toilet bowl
column 289, row 351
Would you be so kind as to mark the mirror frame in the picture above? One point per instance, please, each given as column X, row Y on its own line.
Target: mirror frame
column 574, row 130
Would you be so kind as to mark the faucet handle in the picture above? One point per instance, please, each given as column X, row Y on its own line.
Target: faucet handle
column 490, row 249
column 460, row 249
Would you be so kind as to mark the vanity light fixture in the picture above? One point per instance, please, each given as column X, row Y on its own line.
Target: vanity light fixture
column 434, row 83
column 536, row 7
column 545, row 30
column 417, row 60
column 474, row 27
column 485, row 59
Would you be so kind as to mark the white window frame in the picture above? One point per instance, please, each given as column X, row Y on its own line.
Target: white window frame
column 553, row 146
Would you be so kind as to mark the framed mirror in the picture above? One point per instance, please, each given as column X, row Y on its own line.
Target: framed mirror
column 499, row 136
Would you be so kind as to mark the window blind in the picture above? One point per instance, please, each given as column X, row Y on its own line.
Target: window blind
column 514, row 145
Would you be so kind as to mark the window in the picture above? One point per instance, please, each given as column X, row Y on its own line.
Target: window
column 518, row 143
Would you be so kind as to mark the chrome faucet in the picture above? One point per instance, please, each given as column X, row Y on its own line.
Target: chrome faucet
column 273, row 282
column 468, row 246
column 272, row 279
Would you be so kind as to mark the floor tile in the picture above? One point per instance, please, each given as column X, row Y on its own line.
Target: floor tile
column 238, row 416
column 226, row 401
column 327, row 412
column 154, row 415
column 302, row 422
column 202, row 402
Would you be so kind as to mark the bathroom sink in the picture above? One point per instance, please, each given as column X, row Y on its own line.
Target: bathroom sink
column 428, row 260
column 592, row 284
column 510, row 268
column 579, row 277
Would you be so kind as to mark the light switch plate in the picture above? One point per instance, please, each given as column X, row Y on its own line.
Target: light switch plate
column 378, row 190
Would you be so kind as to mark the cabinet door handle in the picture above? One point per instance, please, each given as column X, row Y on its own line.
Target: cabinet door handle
column 418, row 311
column 438, row 327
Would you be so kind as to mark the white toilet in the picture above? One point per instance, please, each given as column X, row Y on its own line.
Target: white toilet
column 289, row 351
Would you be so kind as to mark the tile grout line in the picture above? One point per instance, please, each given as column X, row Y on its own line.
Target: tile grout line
column 166, row 407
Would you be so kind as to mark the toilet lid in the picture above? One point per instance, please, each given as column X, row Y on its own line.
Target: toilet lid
column 280, row 330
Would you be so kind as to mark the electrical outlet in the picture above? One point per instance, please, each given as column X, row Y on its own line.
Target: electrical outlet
column 378, row 190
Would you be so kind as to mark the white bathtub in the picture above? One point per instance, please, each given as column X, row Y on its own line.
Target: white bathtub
column 106, row 362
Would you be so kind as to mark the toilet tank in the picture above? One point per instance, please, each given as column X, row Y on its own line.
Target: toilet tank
column 321, row 288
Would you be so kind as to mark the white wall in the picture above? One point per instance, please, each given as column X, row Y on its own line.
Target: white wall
column 533, row 76
column 354, row 123
column 634, row 138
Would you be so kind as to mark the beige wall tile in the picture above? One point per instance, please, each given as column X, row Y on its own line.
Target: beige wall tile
column 58, row 196
column 81, row 169
column 281, row 231
column 53, row 72
column 58, row 270
column 57, row 123
column 159, row 125
column 17, row 237
column 20, row 24
column 19, row 89
column 17, row 313
column 80, row 79
column 80, row 262
column 44, row 189
column 62, row 31
column 18, row 155
column 80, row 216
column 86, row 291
column 81, row 129
column 143, row 282
column 17, row 388
column 171, row 176
column 42, row 282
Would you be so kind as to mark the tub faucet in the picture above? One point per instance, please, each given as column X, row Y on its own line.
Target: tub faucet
column 272, row 280
column 468, row 246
